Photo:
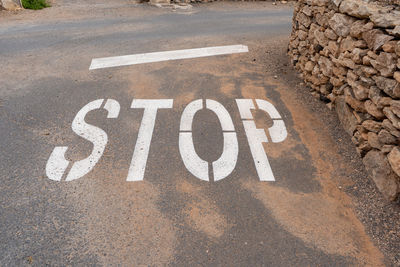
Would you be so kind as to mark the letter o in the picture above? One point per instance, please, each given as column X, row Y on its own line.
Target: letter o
column 197, row 166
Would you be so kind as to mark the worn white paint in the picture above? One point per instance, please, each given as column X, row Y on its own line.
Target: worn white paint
column 269, row 108
column 222, row 114
column 142, row 147
column 256, row 137
column 245, row 106
column 108, row 62
column 226, row 163
column 113, row 108
column 188, row 114
column 197, row 166
column 278, row 131
column 57, row 164
column 193, row 163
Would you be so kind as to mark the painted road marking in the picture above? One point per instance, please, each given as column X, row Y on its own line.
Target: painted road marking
column 195, row 165
column 256, row 136
column 57, row 164
column 141, row 152
column 109, row 62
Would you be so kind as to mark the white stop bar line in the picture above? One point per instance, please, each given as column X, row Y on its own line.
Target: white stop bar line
column 109, row 62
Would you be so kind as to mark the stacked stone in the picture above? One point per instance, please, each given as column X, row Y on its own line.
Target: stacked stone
column 348, row 51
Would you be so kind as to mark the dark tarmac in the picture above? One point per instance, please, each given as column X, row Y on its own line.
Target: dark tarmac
column 304, row 218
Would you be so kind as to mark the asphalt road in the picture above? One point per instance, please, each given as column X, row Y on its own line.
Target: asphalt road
column 172, row 217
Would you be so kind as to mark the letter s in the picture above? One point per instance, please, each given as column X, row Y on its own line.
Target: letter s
column 57, row 164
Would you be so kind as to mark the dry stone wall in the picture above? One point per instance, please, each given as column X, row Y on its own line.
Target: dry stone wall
column 348, row 51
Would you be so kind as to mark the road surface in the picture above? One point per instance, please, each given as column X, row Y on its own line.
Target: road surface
column 221, row 160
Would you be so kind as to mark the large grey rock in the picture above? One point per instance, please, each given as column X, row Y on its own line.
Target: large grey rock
column 330, row 34
column 350, row 99
column 395, row 107
column 326, row 66
column 333, row 48
column 346, row 117
column 347, row 44
column 397, row 50
column 360, row 26
column 309, row 66
column 303, row 19
column 367, row 82
column 379, row 169
column 360, row 91
column 345, row 62
column 394, row 160
column 374, row 110
column 389, row 86
column 363, row 148
column 320, row 2
column 385, row 137
column 386, row 149
column 376, row 39
column 395, row 121
column 386, row 20
column 313, row 28
column 385, row 63
column 11, row 5
column 384, row 102
column 322, row 19
column 358, row 8
column 375, row 94
column 337, row 2
column 321, row 38
column 307, row 10
column 372, row 126
column 388, row 125
column 368, row 71
column 341, row 24
column 302, row 35
column 160, row 2
column 373, row 141
column 395, row 31
column 390, row 47
column 352, row 77
column 396, row 75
